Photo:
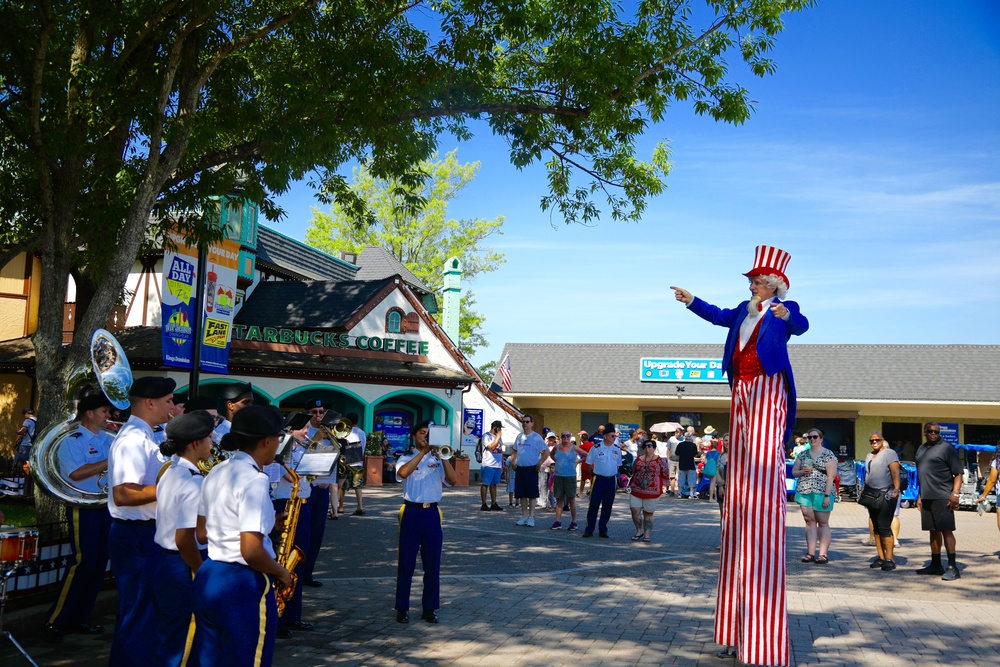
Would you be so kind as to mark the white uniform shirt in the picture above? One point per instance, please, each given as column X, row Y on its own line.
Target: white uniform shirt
column 222, row 428
column 83, row 448
column 426, row 483
column 134, row 459
column 322, row 446
column 178, row 496
column 283, row 491
column 529, row 448
column 159, row 434
column 235, row 498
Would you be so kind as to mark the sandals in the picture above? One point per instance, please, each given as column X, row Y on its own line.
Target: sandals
column 809, row 558
column 822, row 560
column 646, row 539
column 636, row 538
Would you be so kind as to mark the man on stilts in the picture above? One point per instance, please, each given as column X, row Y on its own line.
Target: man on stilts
column 751, row 611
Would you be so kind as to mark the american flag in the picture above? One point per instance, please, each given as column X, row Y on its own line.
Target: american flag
column 505, row 373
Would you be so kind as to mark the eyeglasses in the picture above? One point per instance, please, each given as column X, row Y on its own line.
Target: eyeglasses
column 929, row 431
column 815, row 437
column 317, row 412
column 874, row 440
column 525, row 421
column 649, row 445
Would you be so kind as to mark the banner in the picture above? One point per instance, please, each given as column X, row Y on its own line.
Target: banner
column 681, row 370
column 472, row 429
column 180, row 274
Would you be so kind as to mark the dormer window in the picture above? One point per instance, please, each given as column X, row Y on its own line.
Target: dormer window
column 394, row 321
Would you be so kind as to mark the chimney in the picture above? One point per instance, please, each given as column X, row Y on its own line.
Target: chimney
column 452, row 298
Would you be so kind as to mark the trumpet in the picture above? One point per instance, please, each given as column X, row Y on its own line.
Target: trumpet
column 444, row 452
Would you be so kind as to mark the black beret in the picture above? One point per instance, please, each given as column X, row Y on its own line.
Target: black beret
column 317, row 403
column 610, row 428
column 190, row 426
column 201, row 403
column 152, row 386
column 258, row 421
column 92, row 402
column 234, row 391
column 180, row 399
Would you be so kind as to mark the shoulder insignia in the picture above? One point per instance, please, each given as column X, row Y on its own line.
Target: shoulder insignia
column 194, row 473
column 157, row 429
column 76, row 434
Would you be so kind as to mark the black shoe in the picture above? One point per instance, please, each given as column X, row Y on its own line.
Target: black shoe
column 727, row 653
column 588, row 534
column 402, row 617
column 52, row 634
column 83, row 629
column 605, row 535
column 484, row 508
column 430, row 616
column 951, row 574
column 931, row 569
column 300, row 625
column 284, row 632
column 312, row 583
column 888, row 566
column 495, row 508
column 877, row 563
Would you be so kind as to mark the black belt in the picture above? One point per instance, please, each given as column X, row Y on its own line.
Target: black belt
column 604, row 476
column 135, row 521
column 421, row 505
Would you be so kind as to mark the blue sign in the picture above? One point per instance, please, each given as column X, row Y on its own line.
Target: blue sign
column 949, row 432
column 472, row 428
column 681, row 370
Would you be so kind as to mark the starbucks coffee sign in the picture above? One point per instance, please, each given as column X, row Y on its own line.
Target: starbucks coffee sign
column 328, row 339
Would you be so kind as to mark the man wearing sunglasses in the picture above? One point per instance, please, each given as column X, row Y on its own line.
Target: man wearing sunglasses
column 940, row 473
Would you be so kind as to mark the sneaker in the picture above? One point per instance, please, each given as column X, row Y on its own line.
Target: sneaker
column 523, row 521
column 531, row 522
column 868, row 542
column 951, row 574
column 484, row 508
column 495, row 508
column 556, row 525
column 888, row 565
column 931, row 569
column 605, row 535
column 572, row 526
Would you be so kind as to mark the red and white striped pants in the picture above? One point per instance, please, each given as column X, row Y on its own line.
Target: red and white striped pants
column 751, row 611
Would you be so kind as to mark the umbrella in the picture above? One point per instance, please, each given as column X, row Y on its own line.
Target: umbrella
column 665, row 427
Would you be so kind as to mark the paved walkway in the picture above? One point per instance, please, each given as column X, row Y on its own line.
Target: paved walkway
column 517, row 596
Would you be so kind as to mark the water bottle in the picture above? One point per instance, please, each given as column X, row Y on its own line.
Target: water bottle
column 807, row 461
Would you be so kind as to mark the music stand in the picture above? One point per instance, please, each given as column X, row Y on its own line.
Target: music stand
column 6, row 574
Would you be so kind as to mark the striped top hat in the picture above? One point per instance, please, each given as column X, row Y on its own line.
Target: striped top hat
column 770, row 261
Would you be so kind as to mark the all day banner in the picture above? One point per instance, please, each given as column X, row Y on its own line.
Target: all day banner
column 179, row 300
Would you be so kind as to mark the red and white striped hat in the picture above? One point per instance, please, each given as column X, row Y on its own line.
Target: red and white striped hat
column 770, row 261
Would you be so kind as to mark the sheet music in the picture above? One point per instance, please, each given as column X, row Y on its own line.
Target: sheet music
column 317, row 463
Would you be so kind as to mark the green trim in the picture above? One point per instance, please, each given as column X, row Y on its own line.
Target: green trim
column 201, row 383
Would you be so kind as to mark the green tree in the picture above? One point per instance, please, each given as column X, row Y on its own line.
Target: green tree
column 113, row 115
column 410, row 220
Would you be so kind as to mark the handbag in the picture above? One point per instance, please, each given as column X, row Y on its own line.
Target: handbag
column 871, row 497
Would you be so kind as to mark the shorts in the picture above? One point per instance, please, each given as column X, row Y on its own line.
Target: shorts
column 564, row 487
column 586, row 471
column 674, row 469
column 935, row 515
column 526, row 482
column 645, row 504
column 815, row 501
column 490, row 476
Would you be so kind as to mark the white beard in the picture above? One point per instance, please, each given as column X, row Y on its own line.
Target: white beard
column 752, row 306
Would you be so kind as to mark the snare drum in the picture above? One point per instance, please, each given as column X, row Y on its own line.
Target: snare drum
column 18, row 545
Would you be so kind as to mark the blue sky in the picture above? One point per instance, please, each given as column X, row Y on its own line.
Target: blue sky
column 873, row 157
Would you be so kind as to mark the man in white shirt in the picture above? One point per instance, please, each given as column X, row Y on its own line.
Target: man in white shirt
column 355, row 459
column 492, row 465
column 527, row 460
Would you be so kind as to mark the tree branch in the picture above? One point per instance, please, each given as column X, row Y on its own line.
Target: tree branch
column 662, row 65
column 12, row 251
column 506, row 107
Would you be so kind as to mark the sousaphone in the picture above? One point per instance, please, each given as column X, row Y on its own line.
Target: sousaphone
column 110, row 371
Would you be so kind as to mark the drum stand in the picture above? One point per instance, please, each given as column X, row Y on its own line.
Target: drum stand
column 5, row 575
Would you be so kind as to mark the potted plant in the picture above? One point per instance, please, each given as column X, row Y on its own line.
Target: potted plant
column 374, row 458
column 461, row 462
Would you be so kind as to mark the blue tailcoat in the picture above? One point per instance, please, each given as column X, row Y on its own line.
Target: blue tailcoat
column 772, row 341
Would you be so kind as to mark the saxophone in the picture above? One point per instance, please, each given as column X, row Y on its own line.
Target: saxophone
column 287, row 553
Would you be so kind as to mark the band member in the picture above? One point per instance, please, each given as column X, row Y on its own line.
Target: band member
column 178, row 494
column 234, row 398
column 82, row 460
column 319, row 498
column 233, row 590
column 423, row 475
column 751, row 610
column 133, row 462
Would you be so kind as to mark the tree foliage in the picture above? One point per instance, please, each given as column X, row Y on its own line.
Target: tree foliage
column 114, row 114
column 410, row 220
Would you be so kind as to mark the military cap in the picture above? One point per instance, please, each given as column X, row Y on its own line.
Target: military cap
column 92, row 402
column 234, row 391
column 152, row 386
column 201, row 403
column 258, row 421
column 314, row 403
column 190, row 426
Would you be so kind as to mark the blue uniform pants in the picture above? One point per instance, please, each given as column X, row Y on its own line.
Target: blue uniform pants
column 236, row 615
column 293, row 608
column 133, row 559
column 176, row 633
column 419, row 532
column 602, row 495
column 88, row 533
column 319, row 507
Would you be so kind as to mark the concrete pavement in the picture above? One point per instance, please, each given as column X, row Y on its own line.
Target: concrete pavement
column 516, row 596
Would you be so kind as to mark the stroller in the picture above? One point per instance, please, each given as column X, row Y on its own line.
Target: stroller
column 847, row 473
column 625, row 471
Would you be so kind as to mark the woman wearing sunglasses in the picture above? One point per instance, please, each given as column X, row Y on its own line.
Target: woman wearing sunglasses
column 651, row 474
column 815, row 468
